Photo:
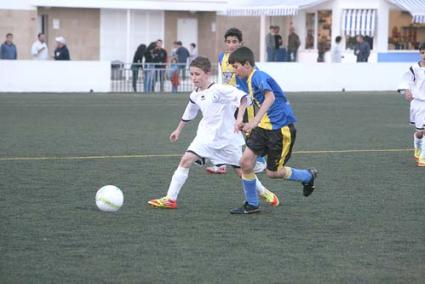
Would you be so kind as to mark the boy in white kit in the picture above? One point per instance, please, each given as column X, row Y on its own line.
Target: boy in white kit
column 413, row 89
column 217, row 137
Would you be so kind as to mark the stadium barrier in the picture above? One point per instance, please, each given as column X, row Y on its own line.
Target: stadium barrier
column 152, row 77
column 102, row 76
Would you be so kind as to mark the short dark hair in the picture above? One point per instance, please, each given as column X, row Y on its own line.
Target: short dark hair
column 39, row 34
column 338, row 39
column 193, row 44
column 9, row 34
column 233, row 32
column 202, row 63
column 422, row 46
column 242, row 55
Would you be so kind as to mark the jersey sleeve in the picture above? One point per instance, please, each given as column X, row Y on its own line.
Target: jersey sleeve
column 261, row 81
column 230, row 95
column 191, row 111
column 407, row 80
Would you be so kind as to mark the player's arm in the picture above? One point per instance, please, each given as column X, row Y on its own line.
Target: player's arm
column 242, row 108
column 189, row 114
column 404, row 88
column 267, row 103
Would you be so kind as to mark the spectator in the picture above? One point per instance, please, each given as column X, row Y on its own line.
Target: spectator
column 181, row 54
column 293, row 45
column 336, row 53
column 150, row 59
column 39, row 49
column 362, row 49
column 173, row 75
column 322, row 47
column 270, row 44
column 193, row 51
column 309, row 41
column 280, row 53
column 61, row 51
column 8, row 49
column 137, row 64
column 160, row 57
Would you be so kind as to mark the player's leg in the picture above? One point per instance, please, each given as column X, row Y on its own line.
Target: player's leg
column 265, row 194
column 417, row 117
column 280, row 147
column 177, row 181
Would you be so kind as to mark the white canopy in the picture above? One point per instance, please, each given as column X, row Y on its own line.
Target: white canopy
column 415, row 7
column 268, row 7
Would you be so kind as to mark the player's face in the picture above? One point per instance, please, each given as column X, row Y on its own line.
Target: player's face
column 232, row 43
column 422, row 52
column 242, row 71
column 199, row 77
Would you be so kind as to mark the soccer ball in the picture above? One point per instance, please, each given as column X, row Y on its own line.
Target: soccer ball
column 109, row 198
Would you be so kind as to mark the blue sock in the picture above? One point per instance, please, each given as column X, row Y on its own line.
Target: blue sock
column 250, row 191
column 261, row 159
column 300, row 175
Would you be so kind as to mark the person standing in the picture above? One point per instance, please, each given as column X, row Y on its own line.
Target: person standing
column 362, row 49
column 322, row 47
column 336, row 53
column 193, row 53
column 61, row 51
column 8, row 49
column 181, row 54
column 293, row 45
column 270, row 44
column 161, row 59
column 39, row 49
column 137, row 64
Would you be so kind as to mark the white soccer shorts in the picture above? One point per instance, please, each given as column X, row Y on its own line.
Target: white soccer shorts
column 229, row 155
column 417, row 113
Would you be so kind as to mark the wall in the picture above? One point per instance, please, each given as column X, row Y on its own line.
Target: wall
column 318, row 77
column 54, row 76
column 80, row 28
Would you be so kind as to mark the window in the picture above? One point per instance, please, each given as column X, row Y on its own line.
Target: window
column 403, row 33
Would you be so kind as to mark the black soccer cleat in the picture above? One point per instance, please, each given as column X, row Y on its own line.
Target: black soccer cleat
column 309, row 186
column 246, row 209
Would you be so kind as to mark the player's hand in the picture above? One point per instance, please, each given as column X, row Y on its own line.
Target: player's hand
column 408, row 95
column 247, row 127
column 174, row 136
column 238, row 126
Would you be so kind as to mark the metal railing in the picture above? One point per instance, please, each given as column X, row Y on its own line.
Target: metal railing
column 152, row 77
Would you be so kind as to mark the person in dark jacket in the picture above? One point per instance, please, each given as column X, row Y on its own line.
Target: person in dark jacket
column 182, row 55
column 61, row 51
column 362, row 49
column 137, row 64
column 8, row 49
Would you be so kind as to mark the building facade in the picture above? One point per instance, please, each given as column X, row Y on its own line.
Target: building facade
column 111, row 29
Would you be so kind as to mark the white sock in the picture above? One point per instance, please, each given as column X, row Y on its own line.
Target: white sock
column 177, row 182
column 259, row 186
column 417, row 142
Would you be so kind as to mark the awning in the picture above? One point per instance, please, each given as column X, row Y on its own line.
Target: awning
column 359, row 22
column 268, row 7
column 415, row 7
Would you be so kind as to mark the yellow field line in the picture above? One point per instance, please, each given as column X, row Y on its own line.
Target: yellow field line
column 140, row 156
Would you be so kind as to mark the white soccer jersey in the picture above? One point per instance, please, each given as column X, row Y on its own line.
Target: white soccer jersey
column 218, row 104
column 414, row 80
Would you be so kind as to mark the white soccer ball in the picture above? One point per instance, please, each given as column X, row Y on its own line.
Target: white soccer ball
column 109, row 198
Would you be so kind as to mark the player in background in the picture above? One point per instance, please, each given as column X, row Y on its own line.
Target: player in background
column 412, row 88
column 217, row 139
column 226, row 75
column 272, row 131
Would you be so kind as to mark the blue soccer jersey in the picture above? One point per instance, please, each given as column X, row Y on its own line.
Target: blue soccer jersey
column 280, row 112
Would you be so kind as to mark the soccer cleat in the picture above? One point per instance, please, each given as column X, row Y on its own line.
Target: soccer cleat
column 309, row 186
column 270, row 198
column 259, row 167
column 221, row 170
column 417, row 154
column 246, row 209
column 163, row 202
column 421, row 162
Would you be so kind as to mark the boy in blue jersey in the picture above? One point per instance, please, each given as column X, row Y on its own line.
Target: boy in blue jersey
column 272, row 131
column 232, row 40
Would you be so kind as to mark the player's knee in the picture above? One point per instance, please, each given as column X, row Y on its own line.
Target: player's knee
column 185, row 162
column 245, row 164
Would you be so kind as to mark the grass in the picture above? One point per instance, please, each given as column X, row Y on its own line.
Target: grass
column 365, row 222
